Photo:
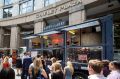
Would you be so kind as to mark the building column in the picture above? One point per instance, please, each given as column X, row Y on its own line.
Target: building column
column 38, row 27
column 15, row 37
column 1, row 37
column 77, row 15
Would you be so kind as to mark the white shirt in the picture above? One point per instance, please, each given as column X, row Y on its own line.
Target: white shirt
column 10, row 61
column 114, row 75
column 96, row 76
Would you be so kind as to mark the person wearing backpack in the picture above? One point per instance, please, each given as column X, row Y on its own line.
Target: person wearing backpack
column 37, row 71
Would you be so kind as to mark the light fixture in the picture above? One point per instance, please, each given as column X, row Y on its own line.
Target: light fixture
column 72, row 32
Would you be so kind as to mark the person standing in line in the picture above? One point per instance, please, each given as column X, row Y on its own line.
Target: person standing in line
column 7, row 72
column 57, row 71
column 19, row 65
column 105, row 70
column 37, row 72
column 10, row 60
column 68, row 70
column 114, row 66
column 94, row 68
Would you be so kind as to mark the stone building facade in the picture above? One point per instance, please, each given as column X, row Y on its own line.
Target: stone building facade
column 19, row 18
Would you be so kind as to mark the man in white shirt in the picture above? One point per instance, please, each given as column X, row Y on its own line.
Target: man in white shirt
column 94, row 69
column 10, row 60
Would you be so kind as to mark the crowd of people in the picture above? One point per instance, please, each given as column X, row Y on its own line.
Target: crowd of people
column 39, row 68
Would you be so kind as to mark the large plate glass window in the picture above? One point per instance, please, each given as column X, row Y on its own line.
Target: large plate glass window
column 53, row 40
column 7, row 2
column 7, row 12
column 35, row 42
column 84, row 54
column 26, row 7
column 48, row 2
column 90, row 36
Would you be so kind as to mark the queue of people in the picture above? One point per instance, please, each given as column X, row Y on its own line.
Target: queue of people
column 38, row 68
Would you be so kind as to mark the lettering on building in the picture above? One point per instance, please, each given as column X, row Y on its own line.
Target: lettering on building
column 59, row 9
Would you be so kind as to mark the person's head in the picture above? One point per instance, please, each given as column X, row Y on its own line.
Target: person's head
column 37, row 64
column 38, row 55
column 114, row 65
column 6, row 59
column 105, row 63
column 70, row 65
column 95, row 67
column 53, row 60
column 57, row 66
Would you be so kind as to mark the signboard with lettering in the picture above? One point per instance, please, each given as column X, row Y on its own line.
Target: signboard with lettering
column 55, row 26
column 59, row 9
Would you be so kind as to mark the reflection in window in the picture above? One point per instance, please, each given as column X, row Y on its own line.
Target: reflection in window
column 85, row 37
column 36, row 43
column 26, row 7
column 48, row 2
column 117, row 36
column 7, row 2
column 53, row 40
column 84, row 54
column 7, row 12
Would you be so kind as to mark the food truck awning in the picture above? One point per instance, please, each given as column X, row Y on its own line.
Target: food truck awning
column 48, row 33
column 82, row 25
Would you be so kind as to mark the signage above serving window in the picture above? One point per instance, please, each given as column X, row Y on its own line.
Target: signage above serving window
column 55, row 26
column 59, row 9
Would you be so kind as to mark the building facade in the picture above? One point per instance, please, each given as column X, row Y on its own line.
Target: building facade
column 19, row 18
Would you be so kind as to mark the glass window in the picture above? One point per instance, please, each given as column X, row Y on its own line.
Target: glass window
column 84, row 54
column 85, row 37
column 36, row 43
column 53, row 40
column 48, row 2
column 26, row 7
column 7, row 2
column 7, row 12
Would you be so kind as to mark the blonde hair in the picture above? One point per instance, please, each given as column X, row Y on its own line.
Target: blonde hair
column 57, row 66
column 69, row 64
column 6, row 59
column 37, row 65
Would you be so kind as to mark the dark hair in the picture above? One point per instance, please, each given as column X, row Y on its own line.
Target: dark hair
column 38, row 55
column 105, row 63
column 116, row 64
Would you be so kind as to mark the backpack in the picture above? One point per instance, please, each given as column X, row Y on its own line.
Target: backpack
column 38, row 76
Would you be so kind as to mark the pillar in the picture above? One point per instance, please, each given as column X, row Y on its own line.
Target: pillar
column 38, row 27
column 15, row 37
column 77, row 15
column 1, row 37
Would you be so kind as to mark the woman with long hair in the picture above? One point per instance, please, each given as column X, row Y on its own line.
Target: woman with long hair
column 68, row 70
column 37, row 70
column 57, row 71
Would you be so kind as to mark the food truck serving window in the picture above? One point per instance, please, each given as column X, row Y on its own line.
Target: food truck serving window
column 84, row 54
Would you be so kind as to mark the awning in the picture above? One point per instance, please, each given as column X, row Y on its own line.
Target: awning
column 30, row 37
column 48, row 33
column 82, row 25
